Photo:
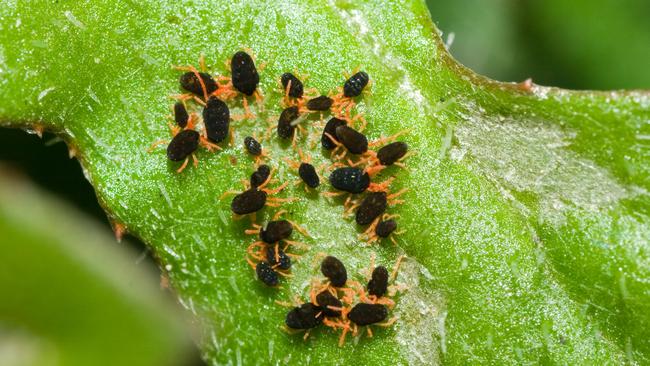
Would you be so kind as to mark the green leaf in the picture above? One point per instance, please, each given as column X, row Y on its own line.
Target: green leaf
column 527, row 212
column 70, row 296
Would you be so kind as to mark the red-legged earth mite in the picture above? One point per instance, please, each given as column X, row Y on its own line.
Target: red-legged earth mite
column 328, row 139
column 286, row 130
column 274, row 231
column 254, row 148
column 392, row 153
column 277, row 258
column 378, row 284
column 260, row 175
column 266, row 274
column 308, row 174
column 293, row 87
column 216, row 118
column 372, row 207
column 327, row 301
column 351, row 180
column 385, row 228
column 198, row 83
column 332, row 268
column 254, row 199
column 321, row 103
column 183, row 145
column 354, row 141
column 181, row 117
column 305, row 316
column 366, row 314
column 244, row 74
column 355, row 84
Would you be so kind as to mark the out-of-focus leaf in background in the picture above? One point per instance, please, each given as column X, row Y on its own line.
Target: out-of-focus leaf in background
column 72, row 296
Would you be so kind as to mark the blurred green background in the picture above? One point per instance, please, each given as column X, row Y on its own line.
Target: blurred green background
column 577, row 44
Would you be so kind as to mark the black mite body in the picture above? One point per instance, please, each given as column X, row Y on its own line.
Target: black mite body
column 296, row 88
column 285, row 128
column 321, row 103
column 279, row 259
column 180, row 115
column 353, row 140
column 355, row 84
column 252, row 146
column 334, row 270
column 326, row 299
column 216, row 118
column 305, row 316
column 248, row 202
column 352, row 180
column 385, row 228
column 366, row 314
column 308, row 174
column 192, row 84
column 244, row 74
column 378, row 284
column 392, row 152
column 276, row 231
column 266, row 274
column 371, row 207
column 260, row 175
column 183, row 145
column 330, row 129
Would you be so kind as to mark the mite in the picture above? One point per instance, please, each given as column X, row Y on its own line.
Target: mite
column 385, row 228
column 305, row 316
column 277, row 258
column 276, row 231
column 392, row 152
column 352, row 180
column 330, row 129
column 355, row 84
column 285, row 128
column 371, row 207
column 190, row 82
column 252, row 146
column 321, row 103
column 183, row 145
column 378, row 284
column 249, row 201
column 325, row 299
column 260, row 175
column 334, row 270
column 308, row 174
column 244, row 74
column 294, row 85
column 354, row 141
column 180, row 115
column 366, row 314
column 216, row 118
column 266, row 274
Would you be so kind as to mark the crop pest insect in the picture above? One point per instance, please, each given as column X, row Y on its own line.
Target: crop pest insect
column 349, row 179
column 372, row 206
column 385, row 228
column 266, row 274
column 378, row 284
column 305, row 316
column 366, row 314
column 260, row 175
column 274, row 231
column 216, row 118
column 255, row 198
column 329, row 139
column 332, row 268
column 326, row 300
column 285, row 127
column 198, row 83
column 392, row 153
column 354, row 141
column 252, row 146
column 183, row 145
column 181, row 117
column 355, row 84
column 320, row 103
column 277, row 258
column 244, row 74
column 292, row 85
column 306, row 171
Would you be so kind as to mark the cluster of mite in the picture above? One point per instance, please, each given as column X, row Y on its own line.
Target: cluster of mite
column 336, row 302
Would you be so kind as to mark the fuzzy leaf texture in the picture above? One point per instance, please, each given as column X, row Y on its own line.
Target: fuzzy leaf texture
column 527, row 229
